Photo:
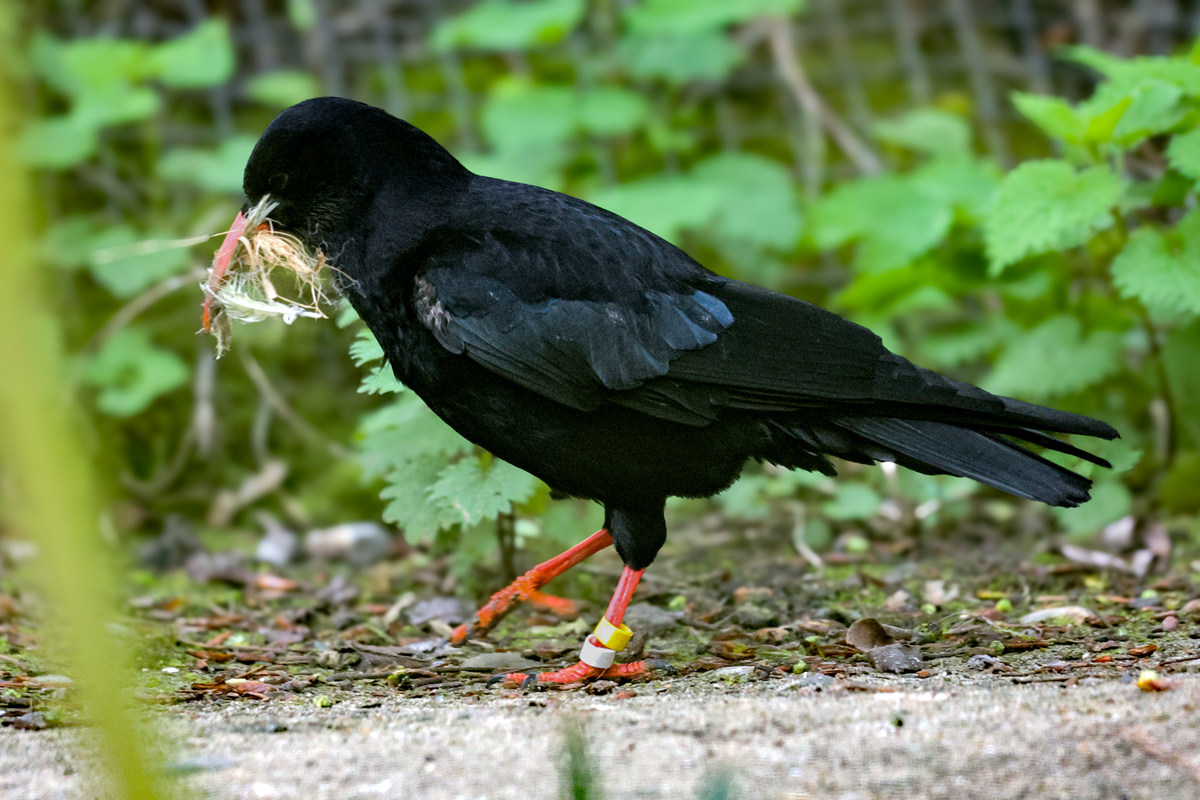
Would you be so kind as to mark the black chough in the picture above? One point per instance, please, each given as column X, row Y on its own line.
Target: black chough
column 604, row 360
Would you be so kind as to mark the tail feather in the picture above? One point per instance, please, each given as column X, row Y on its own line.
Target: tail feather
column 942, row 448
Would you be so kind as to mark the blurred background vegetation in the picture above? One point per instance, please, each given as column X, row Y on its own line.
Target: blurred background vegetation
column 1005, row 191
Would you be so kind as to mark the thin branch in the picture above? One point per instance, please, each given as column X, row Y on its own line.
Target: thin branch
column 285, row 411
column 783, row 50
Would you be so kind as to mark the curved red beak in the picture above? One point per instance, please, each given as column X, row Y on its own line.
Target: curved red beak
column 221, row 266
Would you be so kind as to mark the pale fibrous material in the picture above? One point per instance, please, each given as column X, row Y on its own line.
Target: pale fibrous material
column 245, row 291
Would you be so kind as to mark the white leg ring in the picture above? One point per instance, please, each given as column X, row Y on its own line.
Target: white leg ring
column 596, row 655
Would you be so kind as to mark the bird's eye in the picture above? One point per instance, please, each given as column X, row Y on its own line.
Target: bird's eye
column 278, row 181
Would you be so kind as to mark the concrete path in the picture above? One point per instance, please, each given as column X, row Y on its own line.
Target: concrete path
column 777, row 739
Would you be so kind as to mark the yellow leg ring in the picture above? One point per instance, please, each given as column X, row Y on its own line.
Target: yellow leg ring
column 611, row 636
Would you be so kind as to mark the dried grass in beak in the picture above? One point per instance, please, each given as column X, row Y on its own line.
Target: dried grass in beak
column 241, row 284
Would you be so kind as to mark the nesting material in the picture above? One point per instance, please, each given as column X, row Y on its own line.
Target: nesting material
column 243, row 281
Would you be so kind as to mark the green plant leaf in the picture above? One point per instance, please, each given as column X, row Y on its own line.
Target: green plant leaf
column 1110, row 501
column 1057, row 118
column 131, row 373
column 479, row 492
column 521, row 116
column 283, row 88
column 409, row 505
column 1046, row 205
column 506, row 25
column 57, row 142
column 1126, row 72
column 1162, row 270
column 761, row 205
column 852, row 501
column 365, row 348
column 302, row 14
column 201, row 58
column 217, row 170
column 129, row 262
column 1155, row 107
column 927, row 130
column 117, row 104
column 380, row 380
column 1054, row 359
column 893, row 219
column 664, row 204
column 402, row 431
column 1183, row 153
column 697, row 16
column 680, row 59
column 88, row 65
column 611, row 111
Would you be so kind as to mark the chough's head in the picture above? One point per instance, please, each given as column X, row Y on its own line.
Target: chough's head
column 326, row 162
column 325, row 174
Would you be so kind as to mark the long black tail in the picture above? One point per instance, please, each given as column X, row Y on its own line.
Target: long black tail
column 986, row 455
column 984, row 444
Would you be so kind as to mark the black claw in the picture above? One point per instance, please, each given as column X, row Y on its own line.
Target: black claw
column 492, row 681
column 659, row 665
column 530, row 680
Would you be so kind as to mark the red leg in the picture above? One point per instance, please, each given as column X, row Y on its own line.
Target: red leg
column 583, row 671
column 558, row 606
column 526, row 586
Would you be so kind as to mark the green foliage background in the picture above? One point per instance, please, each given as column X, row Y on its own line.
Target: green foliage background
column 1070, row 278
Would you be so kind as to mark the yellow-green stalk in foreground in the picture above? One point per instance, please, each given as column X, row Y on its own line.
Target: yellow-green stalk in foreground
column 39, row 443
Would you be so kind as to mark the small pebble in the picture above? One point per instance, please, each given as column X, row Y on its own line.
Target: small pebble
column 1170, row 624
column 170, row 670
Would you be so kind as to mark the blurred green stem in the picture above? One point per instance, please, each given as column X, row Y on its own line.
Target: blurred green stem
column 40, row 445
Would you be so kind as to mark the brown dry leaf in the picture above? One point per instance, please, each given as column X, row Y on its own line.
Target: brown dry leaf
column 1144, row 650
column 867, row 634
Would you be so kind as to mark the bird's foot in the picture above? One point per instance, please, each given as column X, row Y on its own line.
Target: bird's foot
column 527, row 588
column 563, row 607
column 584, row 672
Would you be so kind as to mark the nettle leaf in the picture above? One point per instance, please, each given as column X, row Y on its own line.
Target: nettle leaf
column 852, row 501
column 519, row 115
column 1183, row 153
column 88, row 65
column 1054, row 359
column 1046, row 205
column 506, row 25
column 365, row 348
column 1162, row 269
column 762, row 206
column 893, row 219
column 131, row 373
column 217, row 170
column 1057, row 118
column 967, row 184
column 664, row 204
column 403, row 431
column 57, row 142
column 201, row 58
column 927, row 130
column 283, row 88
column 480, row 492
column 409, row 504
column 680, row 59
column 1130, row 71
column 1110, row 501
column 611, row 111
column 696, row 16
column 128, row 262
column 1155, row 106
column 380, row 380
